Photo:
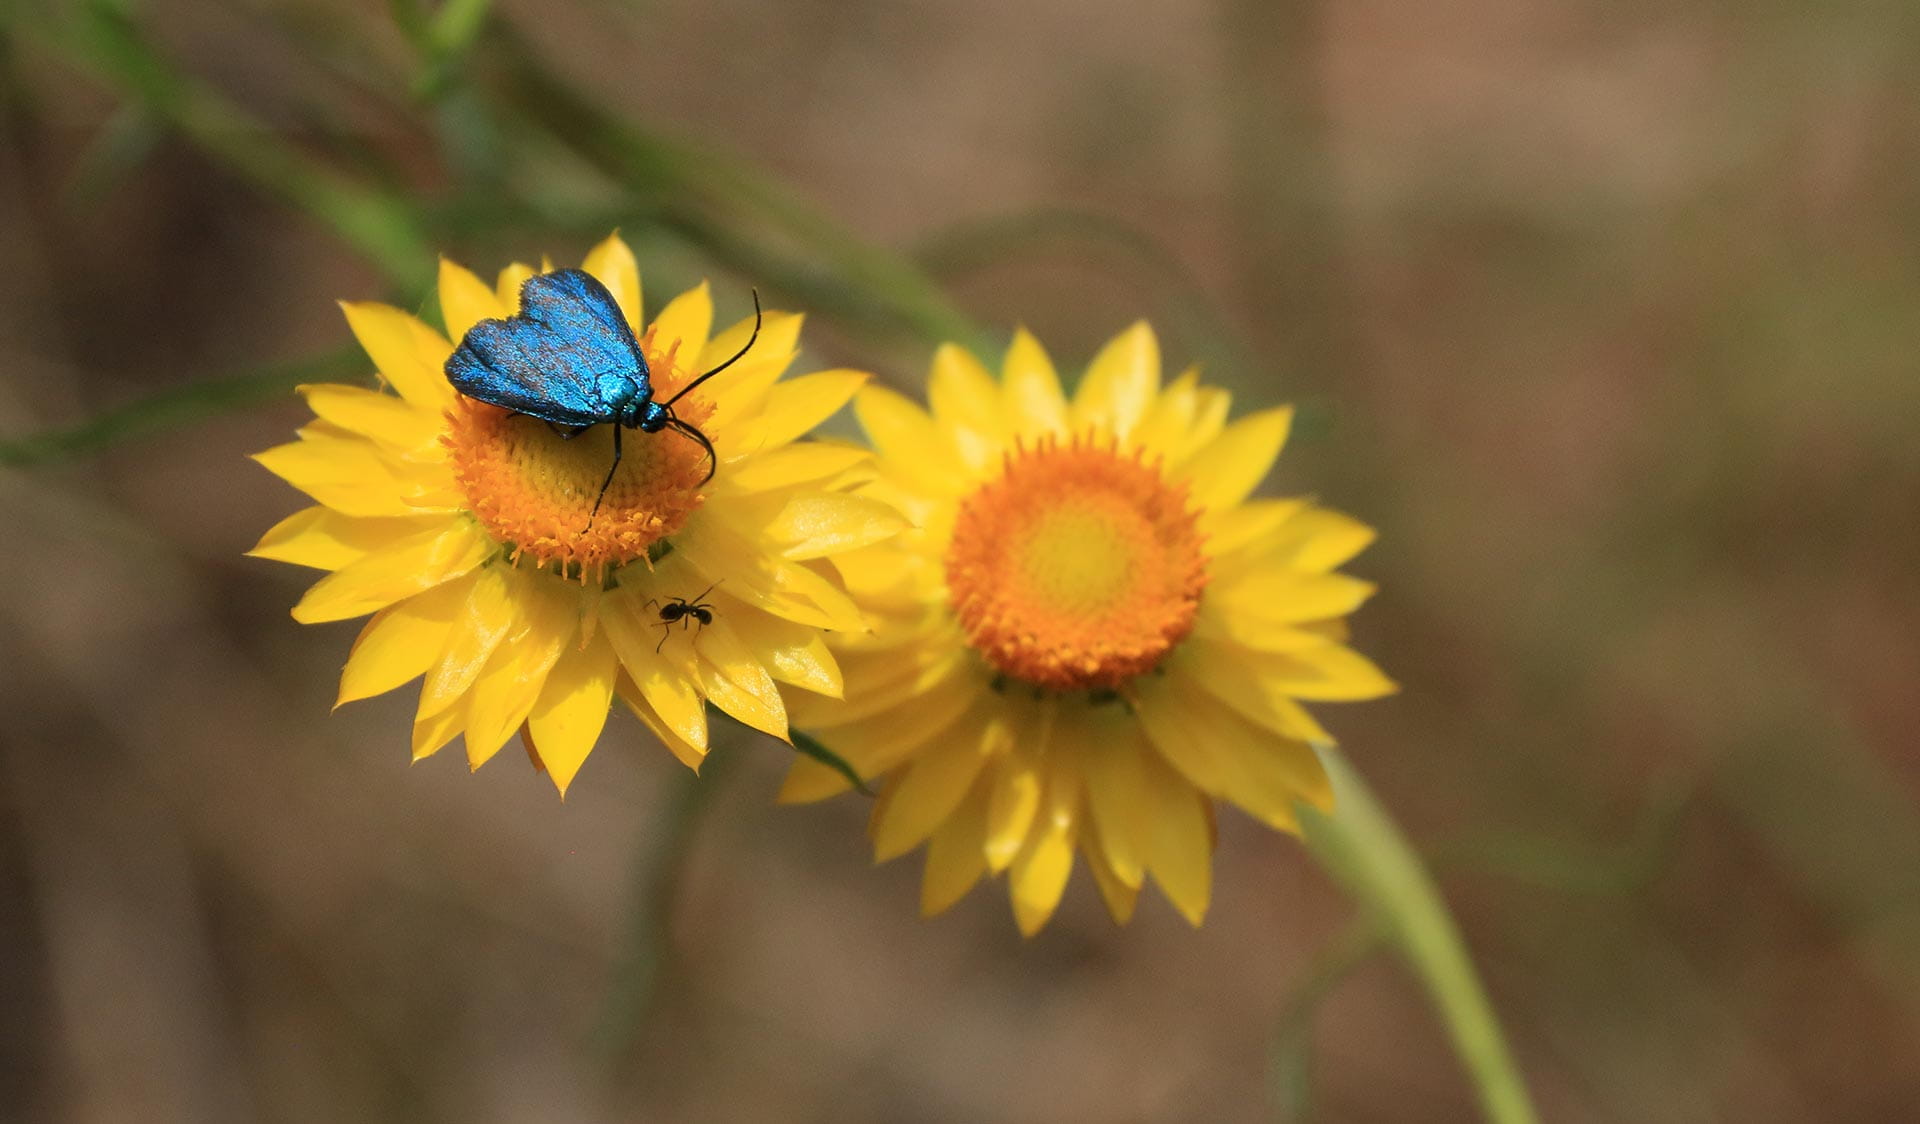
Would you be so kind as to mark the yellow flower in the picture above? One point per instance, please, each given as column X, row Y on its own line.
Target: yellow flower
column 1090, row 635
column 469, row 533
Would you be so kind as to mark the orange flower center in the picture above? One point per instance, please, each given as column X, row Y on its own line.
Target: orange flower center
column 1078, row 568
column 534, row 488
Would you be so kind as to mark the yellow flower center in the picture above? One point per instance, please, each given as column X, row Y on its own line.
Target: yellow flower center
column 1078, row 568
column 534, row 488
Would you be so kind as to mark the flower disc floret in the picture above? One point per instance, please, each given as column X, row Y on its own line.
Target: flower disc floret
column 1079, row 567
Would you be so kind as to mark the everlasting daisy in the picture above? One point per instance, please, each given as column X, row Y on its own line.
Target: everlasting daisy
column 469, row 533
column 1090, row 636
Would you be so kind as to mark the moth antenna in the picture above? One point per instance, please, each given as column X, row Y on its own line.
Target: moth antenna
column 713, row 461
column 668, row 404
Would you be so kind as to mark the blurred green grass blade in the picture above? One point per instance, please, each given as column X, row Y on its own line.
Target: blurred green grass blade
column 1290, row 1055
column 101, row 39
column 1838, row 821
column 1555, row 865
column 811, row 746
column 178, row 406
column 456, row 25
column 711, row 199
column 120, row 146
column 1361, row 846
column 449, row 35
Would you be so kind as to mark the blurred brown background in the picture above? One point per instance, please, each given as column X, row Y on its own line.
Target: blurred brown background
column 1608, row 315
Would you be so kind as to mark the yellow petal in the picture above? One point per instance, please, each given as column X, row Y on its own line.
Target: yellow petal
column 1329, row 672
column 1181, row 859
column 1039, row 877
column 511, row 682
column 465, row 300
column 724, row 555
column 1262, row 772
column 740, row 391
column 482, row 622
column 348, row 474
column 808, row 462
column 690, row 755
column 906, row 437
column 1119, row 897
column 793, row 408
column 409, row 354
column 685, row 322
column 966, row 404
column 672, row 697
column 1120, row 384
column 431, row 732
column 1122, row 805
column 1225, row 672
column 572, row 709
column 791, row 653
column 1169, row 417
column 327, row 540
column 1224, row 619
column 879, row 681
column 955, row 855
column 735, row 680
column 401, row 641
column 1210, row 409
column 1292, row 597
column 1166, row 713
column 1031, row 389
column 1317, row 540
column 507, row 288
column 402, row 570
column 815, row 524
column 873, row 748
column 934, row 783
column 383, row 417
column 1011, row 811
column 1235, row 529
column 1233, row 464
column 612, row 262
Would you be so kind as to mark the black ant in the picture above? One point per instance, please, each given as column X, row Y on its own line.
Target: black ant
column 684, row 611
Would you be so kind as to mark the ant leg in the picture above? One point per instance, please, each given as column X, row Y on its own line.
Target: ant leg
column 666, row 630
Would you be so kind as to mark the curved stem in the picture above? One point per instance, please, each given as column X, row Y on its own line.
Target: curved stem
column 1362, row 847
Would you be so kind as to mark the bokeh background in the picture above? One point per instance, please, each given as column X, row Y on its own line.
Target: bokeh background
column 1608, row 315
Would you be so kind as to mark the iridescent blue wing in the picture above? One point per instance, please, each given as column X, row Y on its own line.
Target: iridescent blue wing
column 568, row 356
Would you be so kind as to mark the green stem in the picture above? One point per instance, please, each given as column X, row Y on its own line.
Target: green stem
column 1362, row 848
column 659, row 860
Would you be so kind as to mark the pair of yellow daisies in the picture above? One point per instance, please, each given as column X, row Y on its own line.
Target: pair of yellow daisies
column 1054, row 625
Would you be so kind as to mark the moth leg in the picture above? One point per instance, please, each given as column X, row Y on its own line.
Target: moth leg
column 565, row 434
column 608, row 482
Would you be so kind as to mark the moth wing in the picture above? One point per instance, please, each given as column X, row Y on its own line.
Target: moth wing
column 518, row 366
column 574, row 304
column 548, row 361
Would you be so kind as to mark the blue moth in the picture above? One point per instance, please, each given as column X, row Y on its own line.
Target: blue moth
column 569, row 358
